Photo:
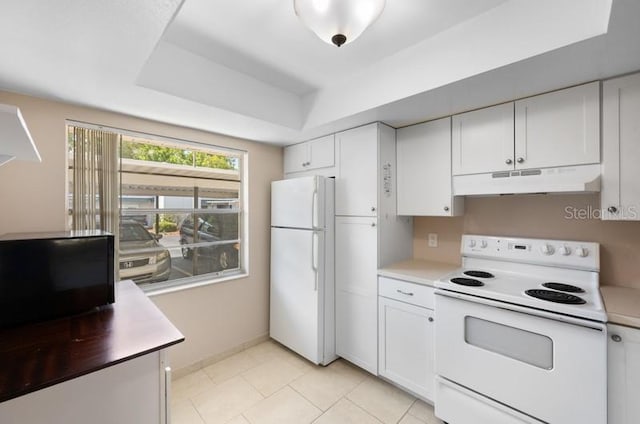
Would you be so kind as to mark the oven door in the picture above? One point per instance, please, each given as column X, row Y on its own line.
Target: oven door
column 552, row 370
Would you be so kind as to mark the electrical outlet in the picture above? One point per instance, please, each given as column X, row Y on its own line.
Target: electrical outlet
column 433, row 240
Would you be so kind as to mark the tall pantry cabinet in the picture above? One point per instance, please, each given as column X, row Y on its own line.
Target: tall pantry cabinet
column 369, row 234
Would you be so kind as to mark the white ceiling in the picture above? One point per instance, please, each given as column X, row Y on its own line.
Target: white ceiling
column 268, row 42
column 250, row 69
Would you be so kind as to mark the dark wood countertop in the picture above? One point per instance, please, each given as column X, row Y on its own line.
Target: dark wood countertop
column 40, row 355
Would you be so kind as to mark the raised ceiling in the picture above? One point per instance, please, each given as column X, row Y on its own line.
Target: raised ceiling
column 250, row 69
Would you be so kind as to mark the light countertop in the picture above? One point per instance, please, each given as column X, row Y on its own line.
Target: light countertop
column 418, row 271
column 622, row 305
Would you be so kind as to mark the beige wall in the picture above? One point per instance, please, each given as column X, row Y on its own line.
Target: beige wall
column 542, row 216
column 214, row 318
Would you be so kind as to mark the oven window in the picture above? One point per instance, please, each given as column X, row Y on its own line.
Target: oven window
column 525, row 346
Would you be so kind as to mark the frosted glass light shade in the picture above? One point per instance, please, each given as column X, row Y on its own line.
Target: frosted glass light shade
column 338, row 21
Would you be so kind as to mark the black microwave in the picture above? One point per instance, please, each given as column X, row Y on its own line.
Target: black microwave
column 51, row 275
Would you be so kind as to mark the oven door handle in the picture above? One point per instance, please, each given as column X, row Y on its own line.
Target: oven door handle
column 593, row 325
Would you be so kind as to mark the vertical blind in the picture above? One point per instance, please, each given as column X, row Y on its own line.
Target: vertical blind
column 95, row 180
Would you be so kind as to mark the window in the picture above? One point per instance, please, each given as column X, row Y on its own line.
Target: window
column 179, row 205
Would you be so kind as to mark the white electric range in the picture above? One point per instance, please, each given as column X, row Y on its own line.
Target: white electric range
column 521, row 334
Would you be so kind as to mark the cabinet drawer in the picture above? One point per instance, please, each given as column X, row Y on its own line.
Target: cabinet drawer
column 404, row 291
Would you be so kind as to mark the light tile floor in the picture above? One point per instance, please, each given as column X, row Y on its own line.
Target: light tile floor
column 269, row 384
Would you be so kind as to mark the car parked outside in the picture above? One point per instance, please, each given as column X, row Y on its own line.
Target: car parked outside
column 148, row 267
column 211, row 228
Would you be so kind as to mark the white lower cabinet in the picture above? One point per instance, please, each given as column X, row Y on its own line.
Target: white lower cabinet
column 356, row 291
column 357, row 337
column 134, row 391
column 623, row 375
column 406, row 336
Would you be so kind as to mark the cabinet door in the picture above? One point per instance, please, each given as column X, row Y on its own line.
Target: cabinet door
column 424, row 169
column 620, row 195
column 322, row 152
column 623, row 375
column 482, row 140
column 129, row 392
column 559, row 128
column 356, row 291
column 296, row 157
column 356, row 186
column 406, row 346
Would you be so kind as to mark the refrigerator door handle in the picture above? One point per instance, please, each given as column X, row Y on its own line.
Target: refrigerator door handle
column 314, row 259
column 314, row 212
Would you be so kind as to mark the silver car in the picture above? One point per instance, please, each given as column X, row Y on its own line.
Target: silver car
column 142, row 267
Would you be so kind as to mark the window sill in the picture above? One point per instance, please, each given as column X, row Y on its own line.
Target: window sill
column 156, row 291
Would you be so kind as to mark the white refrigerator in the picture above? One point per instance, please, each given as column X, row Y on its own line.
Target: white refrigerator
column 302, row 314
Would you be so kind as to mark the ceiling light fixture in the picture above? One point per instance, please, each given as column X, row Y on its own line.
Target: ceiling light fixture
column 338, row 21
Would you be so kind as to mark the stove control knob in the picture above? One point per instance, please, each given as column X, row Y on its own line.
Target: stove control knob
column 547, row 249
column 582, row 252
column 472, row 243
column 565, row 251
column 483, row 244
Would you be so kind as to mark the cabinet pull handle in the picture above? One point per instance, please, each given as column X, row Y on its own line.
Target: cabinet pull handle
column 167, row 394
column 404, row 292
column 314, row 260
column 616, row 338
column 373, row 208
column 508, row 161
column 520, row 160
column 612, row 209
column 446, row 208
column 373, row 224
column 430, row 319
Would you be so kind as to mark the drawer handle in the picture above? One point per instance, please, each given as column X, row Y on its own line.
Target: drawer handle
column 404, row 292
column 430, row 319
column 616, row 338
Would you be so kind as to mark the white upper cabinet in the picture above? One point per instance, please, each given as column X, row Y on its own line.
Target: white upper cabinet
column 424, row 170
column 558, row 128
column 357, row 185
column 620, row 195
column 322, row 152
column 296, row 157
column 313, row 154
column 561, row 128
column 483, row 140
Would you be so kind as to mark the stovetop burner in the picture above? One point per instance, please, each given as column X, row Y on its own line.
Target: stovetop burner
column 555, row 296
column 478, row 274
column 563, row 287
column 467, row 282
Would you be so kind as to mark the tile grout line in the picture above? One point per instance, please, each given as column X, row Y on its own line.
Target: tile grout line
column 193, row 405
column 334, row 403
column 362, row 409
column 407, row 411
column 307, row 399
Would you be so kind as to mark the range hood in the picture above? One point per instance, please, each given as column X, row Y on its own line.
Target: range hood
column 15, row 139
column 565, row 179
